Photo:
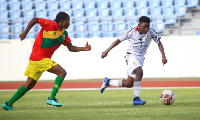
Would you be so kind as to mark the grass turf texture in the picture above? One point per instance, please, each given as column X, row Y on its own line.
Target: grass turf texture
column 111, row 105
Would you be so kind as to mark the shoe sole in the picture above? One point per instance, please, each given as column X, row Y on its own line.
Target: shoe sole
column 141, row 104
column 54, row 105
column 6, row 109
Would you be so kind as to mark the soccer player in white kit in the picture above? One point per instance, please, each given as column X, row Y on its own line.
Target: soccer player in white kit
column 139, row 39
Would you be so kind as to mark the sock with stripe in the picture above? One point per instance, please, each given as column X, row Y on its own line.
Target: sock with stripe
column 57, row 84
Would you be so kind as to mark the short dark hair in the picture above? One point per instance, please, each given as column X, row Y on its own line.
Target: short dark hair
column 144, row 19
column 60, row 16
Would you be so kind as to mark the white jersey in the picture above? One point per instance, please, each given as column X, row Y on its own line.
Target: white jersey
column 139, row 43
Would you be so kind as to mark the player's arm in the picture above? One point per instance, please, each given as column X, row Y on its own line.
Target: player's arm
column 29, row 26
column 161, row 48
column 77, row 49
column 115, row 43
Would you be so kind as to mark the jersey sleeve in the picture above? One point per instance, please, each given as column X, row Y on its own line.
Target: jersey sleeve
column 45, row 24
column 125, row 35
column 67, row 39
column 155, row 36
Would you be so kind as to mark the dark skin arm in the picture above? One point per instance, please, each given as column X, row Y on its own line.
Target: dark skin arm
column 115, row 43
column 77, row 49
column 29, row 26
column 161, row 48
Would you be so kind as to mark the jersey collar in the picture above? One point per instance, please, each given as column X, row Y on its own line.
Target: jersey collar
column 136, row 28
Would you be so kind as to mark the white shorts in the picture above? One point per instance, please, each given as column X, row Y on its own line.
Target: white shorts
column 133, row 62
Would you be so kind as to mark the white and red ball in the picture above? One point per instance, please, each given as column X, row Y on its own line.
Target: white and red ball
column 167, row 97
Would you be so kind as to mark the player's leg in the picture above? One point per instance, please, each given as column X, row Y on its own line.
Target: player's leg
column 117, row 83
column 58, row 70
column 137, row 86
column 30, row 83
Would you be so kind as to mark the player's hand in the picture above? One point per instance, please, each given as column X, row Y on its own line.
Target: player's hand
column 104, row 54
column 23, row 35
column 87, row 47
column 164, row 60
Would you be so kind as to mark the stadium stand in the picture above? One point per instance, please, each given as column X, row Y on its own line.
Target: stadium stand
column 98, row 18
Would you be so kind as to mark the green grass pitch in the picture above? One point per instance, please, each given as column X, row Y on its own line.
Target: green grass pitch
column 111, row 105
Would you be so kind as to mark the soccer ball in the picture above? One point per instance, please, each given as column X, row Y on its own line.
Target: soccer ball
column 167, row 97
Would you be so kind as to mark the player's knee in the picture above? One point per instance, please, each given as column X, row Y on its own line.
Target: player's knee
column 129, row 85
column 29, row 87
column 140, row 73
column 63, row 73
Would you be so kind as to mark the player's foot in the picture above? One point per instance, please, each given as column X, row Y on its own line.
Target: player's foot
column 7, row 107
column 105, row 84
column 138, row 102
column 53, row 102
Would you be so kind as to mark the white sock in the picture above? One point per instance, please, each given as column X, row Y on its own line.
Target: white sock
column 137, row 88
column 117, row 83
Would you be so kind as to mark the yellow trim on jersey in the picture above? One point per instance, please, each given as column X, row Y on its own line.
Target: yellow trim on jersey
column 52, row 34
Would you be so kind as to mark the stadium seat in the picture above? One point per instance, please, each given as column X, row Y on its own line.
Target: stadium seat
column 15, row 7
column 170, row 20
column 103, row 4
column 16, row 36
column 53, row 14
column 89, row 34
column 141, row 3
column 128, row 4
column 106, row 27
column 89, row 4
column 78, row 5
column 79, row 28
column 158, row 26
column 130, row 13
column 15, row 15
column 142, row 12
column 179, row 3
column 71, row 34
column 18, row 27
column 30, row 36
column 78, row 14
column 167, row 3
column 2, row 1
column 103, row 13
column 3, row 7
column 64, row 5
column 28, row 15
column 91, row 13
column 41, row 14
column 27, row 6
column 40, row 6
column 154, row 3
column 121, row 27
column 167, row 12
column 78, row 35
column 117, row 13
column 114, row 34
column 116, row 4
column 180, row 11
column 102, row 34
column 154, row 12
column 130, row 24
column 192, row 3
column 4, row 15
column 6, row 36
column 92, row 27
column 70, row 28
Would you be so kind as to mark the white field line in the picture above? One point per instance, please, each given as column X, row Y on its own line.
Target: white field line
column 80, row 89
